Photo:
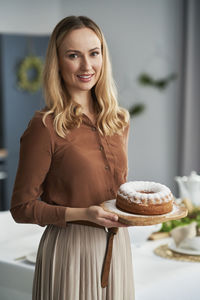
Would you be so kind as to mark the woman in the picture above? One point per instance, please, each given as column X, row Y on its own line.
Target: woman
column 73, row 157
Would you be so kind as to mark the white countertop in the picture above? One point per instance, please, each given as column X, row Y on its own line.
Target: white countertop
column 156, row 278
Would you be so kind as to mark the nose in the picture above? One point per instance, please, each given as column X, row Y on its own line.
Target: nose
column 85, row 63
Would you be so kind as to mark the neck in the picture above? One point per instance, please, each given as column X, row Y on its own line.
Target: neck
column 85, row 100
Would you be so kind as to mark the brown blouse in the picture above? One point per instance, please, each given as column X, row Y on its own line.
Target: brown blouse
column 83, row 169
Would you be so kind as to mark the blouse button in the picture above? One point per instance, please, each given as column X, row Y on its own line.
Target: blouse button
column 100, row 147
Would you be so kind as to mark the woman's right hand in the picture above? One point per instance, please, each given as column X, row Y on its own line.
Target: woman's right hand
column 98, row 215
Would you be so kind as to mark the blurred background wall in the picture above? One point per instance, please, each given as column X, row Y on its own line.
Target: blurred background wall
column 143, row 36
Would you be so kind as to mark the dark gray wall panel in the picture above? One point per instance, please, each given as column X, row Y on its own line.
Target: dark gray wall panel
column 17, row 106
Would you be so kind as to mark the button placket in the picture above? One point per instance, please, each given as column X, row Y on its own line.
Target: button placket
column 103, row 150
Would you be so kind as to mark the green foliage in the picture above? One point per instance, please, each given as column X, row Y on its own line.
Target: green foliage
column 30, row 63
column 168, row 226
column 136, row 109
column 161, row 84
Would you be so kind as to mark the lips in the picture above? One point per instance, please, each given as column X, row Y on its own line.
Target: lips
column 85, row 77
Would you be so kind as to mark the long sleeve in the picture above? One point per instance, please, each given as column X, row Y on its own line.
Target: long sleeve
column 36, row 149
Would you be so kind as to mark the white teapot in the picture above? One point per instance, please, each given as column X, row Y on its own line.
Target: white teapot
column 189, row 187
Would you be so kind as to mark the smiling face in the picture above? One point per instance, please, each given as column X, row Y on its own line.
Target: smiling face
column 80, row 60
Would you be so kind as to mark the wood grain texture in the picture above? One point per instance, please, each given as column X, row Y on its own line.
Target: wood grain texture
column 178, row 212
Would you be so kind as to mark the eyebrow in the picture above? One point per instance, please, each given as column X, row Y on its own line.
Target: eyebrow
column 77, row 51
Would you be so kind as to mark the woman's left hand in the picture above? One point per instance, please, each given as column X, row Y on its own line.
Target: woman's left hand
column 98, row 215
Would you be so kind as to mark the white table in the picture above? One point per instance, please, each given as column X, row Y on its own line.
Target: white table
column 16, row 240
column 155, row 278
column 158, row 278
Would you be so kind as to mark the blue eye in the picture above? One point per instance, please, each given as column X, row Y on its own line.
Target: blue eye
column 95, row 53
column 73, row 55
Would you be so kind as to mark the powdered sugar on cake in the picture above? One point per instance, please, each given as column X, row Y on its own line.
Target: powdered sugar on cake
column 145, row 192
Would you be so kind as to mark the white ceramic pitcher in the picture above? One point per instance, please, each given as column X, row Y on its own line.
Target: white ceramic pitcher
column 189, row 187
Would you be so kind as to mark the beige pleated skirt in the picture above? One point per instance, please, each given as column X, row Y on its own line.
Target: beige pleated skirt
column 69, row 264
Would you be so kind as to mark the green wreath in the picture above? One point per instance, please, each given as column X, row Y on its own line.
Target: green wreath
column 24, row 82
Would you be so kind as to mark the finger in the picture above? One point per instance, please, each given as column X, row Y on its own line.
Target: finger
column 110, row 216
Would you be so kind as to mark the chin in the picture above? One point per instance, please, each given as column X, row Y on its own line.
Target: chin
column 86, row 87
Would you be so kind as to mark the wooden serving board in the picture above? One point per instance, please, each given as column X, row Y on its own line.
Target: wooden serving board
column 178, row 212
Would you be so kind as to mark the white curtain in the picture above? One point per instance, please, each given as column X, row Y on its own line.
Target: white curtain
column 189, row 151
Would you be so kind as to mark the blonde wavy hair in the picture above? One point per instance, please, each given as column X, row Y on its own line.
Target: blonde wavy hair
column 67, row 114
